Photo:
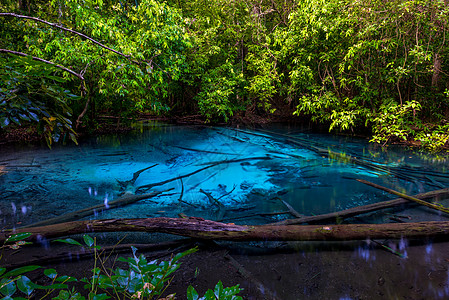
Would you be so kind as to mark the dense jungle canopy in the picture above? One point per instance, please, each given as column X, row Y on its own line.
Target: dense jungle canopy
column 377, row 66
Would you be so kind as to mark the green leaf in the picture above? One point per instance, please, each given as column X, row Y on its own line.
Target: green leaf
column 18, row 237
column 88, row 240
column 9, row 287
column 33, row 116
column 2, row 270
column 182, row 254
column 50, row 273
column 4, row 122
column 209, row 295
column 21, row 270
column 63, row 295
column 192, row 294
column 25, row 285
column 99, row 297
column 69, row 241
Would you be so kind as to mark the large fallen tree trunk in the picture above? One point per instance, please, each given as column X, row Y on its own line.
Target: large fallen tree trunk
column 205, row 229
column 354, row 211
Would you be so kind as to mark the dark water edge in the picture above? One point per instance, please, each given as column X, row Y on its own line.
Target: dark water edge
column 40, row 183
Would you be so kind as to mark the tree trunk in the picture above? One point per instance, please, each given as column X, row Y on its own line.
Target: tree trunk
column 205, row 229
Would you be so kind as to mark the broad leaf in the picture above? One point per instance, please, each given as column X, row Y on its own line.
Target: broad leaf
column 88, row 240
column 25, row 285
column 18, row 237
column 21, row 270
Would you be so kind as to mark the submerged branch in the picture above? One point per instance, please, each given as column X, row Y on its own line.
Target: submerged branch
column 82, row 213
column 351, row 212
column 410, row 198
column 210, row 165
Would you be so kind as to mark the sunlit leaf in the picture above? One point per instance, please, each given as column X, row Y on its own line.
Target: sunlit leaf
column 18, row 237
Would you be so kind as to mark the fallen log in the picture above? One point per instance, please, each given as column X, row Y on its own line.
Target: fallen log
column 206, row 229
column 82, row 213
column 351, row 212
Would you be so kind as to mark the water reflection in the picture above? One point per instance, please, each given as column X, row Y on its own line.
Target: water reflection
column 248, row 190
column 366, row 253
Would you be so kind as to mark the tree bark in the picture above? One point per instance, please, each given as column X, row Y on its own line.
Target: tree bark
column 205, row 229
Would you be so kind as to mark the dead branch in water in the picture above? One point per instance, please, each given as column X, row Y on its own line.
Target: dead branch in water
column 351, row 212
column 82, row 213
column 410, row 198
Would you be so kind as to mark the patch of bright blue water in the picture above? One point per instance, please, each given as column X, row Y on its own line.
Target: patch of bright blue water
column 249, row 172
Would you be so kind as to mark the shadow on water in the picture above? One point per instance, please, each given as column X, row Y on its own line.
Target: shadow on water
column 249, row 172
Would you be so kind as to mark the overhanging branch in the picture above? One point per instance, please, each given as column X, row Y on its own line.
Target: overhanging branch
column 65, row 29
column 44, row 61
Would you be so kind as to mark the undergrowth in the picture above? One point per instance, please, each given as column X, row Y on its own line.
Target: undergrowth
column 142, row 279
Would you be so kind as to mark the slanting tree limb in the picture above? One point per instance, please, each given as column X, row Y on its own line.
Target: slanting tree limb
column 293, row 211
column 351, row 212
column 65, row 29
column 431, row 205
column 82, row 213
column 205, row 229
column 44, row 61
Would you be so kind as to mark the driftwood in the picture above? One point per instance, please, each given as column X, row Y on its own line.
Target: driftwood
column 431, row 205
column 82, row 213
column 351, row 212
column 205, row 229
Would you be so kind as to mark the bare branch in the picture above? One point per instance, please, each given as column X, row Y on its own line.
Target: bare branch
column 44, row 61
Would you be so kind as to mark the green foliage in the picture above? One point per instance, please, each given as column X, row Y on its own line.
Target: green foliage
column 142, row 279
column 395, row 121
column 351, row 64
column 31, row 94
column 219, row 293
column 376, row 63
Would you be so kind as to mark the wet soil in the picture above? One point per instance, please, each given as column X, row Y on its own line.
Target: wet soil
column 281, row 270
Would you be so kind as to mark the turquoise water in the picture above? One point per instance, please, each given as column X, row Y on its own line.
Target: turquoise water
column 240, row 175
column 250, row 171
